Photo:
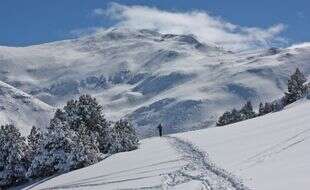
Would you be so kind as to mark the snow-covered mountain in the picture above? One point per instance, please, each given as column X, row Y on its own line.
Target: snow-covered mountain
column 21, row 109
column 266, row 153
column 150, row 77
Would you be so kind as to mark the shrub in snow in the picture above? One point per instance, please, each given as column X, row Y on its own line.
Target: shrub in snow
column 13, row 156
column 122, row 137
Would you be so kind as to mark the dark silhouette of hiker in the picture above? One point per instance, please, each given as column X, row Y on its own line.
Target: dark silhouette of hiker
column 160, row 130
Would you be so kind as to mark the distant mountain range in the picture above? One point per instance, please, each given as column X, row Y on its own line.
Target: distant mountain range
column 142, row 75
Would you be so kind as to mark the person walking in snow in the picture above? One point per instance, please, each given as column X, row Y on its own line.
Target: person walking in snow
column 160, row 130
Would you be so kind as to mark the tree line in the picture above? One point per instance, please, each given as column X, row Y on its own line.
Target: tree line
column 296, row 89
column 77, row 136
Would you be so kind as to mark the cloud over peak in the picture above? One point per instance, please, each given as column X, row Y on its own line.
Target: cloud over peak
column 207, row 28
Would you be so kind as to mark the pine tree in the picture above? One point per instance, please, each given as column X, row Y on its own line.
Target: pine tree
column 267, row 108
column 277, row 105
column 34, row 140
column 224, row 119
column 54, row 151
column 123, row 137
column 247, row 111
column 85, row 117
column 59, row 115
column 63, row 149
column 296, row 87
column 77, row 136
column 83, row 154
column 13, row 156
column 229, row 117
column 235, row 116
column 261, row 110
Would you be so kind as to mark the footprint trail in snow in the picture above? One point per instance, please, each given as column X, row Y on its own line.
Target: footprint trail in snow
column 199, row 172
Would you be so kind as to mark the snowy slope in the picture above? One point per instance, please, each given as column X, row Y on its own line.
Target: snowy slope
column 151, row 77
column 266, row 153
column 21, row 109
column 270, row 152
column 137, row 169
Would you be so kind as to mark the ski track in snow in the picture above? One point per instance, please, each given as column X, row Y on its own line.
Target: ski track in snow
column 199, row 173
column 200, row 169
column 277, row 148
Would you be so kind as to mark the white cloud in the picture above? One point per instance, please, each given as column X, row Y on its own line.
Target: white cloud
column 207, row 28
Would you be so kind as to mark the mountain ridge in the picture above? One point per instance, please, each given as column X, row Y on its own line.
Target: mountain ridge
column 21, row 109
column 150, row 77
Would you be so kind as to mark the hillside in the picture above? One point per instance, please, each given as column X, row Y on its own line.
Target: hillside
column 267, row 153
column 21, row 109
column 150, row 77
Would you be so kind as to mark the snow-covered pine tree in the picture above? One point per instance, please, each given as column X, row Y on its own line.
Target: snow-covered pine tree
column 34, row 140
column 86, row 118
column 13, row 156
column 296, row 88
column 59, row 115
column 229, row 117
column 277, row 105
column 247, row 111
column 70, row 114
column 63, row 149
column 267, row 108
column 261, row 109
column 224, row 119
column 90, row 112
column 235, row 116
column 55, row 149
column 123, row 137
column 84, row 153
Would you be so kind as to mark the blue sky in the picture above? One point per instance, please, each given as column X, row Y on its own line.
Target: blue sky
column 37, row 21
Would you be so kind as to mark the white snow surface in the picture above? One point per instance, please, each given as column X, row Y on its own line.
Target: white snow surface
column 22, row 110
column 266, row 153
column 270, row 152
column 137, row 169
column 151, row 78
